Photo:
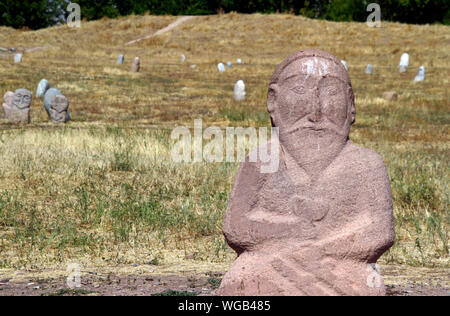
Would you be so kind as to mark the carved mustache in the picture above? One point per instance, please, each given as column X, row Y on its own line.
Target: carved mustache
column 306, row 124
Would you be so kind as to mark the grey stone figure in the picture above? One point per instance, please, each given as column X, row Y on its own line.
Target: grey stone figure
column 57, row 106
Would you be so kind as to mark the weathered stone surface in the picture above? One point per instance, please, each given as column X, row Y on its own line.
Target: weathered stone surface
column 239, row 91
column 120, row 59
column 42, row 88
column 18, row 58
column 390, row 95
column 404, row 62
column 20, row 109
column 7, row 103
column 420, row 75
column 57, row 106
column 318, row 224
column 369, row 69
column 221, row 67
column 136, row 66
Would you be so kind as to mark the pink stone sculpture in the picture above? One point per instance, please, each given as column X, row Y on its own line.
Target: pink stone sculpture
column 7, row 103
column 317, row 225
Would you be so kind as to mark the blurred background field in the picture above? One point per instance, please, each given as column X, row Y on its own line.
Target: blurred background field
column 102, row 190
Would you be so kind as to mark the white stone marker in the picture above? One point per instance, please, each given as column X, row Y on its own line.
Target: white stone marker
column 239, row 61
column 221, row 67
column 183, row 58
column 120, row 59
column 18, row 58
column 404, row 62
column 229, row 64
column 420, row 75
column 239, row 91
column 369, row 69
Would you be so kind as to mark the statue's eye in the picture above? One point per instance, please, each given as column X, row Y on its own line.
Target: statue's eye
column 298, row 89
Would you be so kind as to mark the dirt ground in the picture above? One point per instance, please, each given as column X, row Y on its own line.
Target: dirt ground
column 399, row 280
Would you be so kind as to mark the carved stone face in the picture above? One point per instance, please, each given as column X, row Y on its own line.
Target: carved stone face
column 311, row 94
column 58, row 108
column 22, row 99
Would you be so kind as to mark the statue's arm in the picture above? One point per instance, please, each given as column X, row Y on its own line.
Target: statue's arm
column 372, row 232
column 236, row 226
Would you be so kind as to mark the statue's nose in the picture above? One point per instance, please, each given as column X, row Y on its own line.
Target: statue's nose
column 316, row 114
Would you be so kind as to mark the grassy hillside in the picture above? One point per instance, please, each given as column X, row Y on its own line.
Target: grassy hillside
column 102, row 190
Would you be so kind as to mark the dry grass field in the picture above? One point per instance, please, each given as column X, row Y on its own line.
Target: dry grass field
column 102, row 190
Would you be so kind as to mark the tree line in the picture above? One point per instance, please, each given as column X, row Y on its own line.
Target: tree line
column 35, row 14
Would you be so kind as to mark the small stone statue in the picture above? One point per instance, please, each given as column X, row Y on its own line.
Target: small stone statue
column 239, row 91
column 7, row 103
column 57, row 106
column 404, row 62
column 20, row 109
column 136, row 66
column 17, row 58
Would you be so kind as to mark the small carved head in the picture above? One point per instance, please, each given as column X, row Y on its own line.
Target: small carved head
column 58, row 107
column 22, row 99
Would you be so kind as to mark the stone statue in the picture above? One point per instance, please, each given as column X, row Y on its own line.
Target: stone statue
column 43, row 86
column 221, row 67
column 136, row 66
column 7, row 103
column 239, row 91
column 317, row 225
column 404, row 62
column 420, row 75
column 20, row 109
column 57, row 106
column 17, row 58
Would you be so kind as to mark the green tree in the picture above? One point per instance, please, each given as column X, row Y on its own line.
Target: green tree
column 97, row 9
column 30, row 13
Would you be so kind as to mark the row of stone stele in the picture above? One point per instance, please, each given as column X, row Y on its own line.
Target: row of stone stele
column 16, row 105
